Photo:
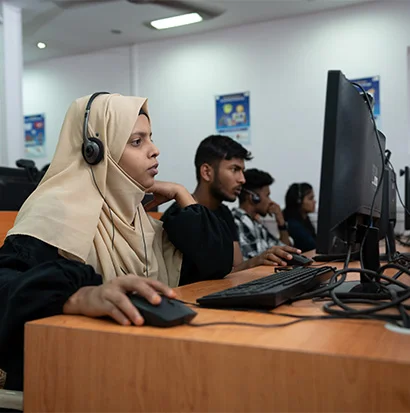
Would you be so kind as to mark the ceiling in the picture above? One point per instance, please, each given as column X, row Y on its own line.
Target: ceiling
column 88, row 28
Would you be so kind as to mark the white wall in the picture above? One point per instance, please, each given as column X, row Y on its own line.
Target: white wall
column 3, row 147
column 284, row 65
column 51, row 86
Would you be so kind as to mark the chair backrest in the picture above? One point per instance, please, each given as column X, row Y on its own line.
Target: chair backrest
column 6, row 222
column 155, row 214
column 10, row 399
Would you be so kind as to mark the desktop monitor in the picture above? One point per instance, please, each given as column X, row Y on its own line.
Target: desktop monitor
column 352, row 164
column 16, row 185
column 387, row 220
column 406, row 173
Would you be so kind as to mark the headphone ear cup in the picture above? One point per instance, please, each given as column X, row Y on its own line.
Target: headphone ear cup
column 256, row 198
column 93, row 152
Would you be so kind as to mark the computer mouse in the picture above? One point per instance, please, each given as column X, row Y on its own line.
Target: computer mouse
column 299, row 260
column 168, row 313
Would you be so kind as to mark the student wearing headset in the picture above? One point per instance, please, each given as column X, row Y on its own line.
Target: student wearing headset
column 83, row 240
column 300, row 202
column 254, row 201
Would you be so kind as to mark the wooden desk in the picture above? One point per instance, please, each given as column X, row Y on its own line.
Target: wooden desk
column 78, row 364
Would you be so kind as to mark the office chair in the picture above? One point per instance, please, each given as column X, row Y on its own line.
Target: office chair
column 9, row 399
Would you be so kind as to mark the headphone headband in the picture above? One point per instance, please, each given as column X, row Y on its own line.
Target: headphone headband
column 300, row 199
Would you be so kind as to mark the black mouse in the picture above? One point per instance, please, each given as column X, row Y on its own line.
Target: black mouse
column 168, row 313
column 299, row 260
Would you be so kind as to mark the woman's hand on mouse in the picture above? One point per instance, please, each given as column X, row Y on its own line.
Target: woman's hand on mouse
column 166, row 191
column 276, row 256
column 110, row 299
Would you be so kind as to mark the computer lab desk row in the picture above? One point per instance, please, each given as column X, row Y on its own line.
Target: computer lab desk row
column 79, row 364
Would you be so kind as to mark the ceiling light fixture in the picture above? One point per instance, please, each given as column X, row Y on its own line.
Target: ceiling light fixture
column 176, row 21
column 41, row 45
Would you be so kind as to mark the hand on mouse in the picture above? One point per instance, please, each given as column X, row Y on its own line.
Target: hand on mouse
column 276, row 256
column 110, row 299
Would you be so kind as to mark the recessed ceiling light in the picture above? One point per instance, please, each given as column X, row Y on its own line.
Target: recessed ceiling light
column 41, row 45
column 116, row 31
column 176, row 21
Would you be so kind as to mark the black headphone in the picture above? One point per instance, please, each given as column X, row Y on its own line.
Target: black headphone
column 93, row 148
column 255, row 198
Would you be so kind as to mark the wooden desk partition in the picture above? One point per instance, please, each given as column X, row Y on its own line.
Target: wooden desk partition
column 7, row 219
column 155, row 214
column 78, row 364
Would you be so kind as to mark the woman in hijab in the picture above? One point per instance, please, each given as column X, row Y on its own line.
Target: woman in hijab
column 83, row 240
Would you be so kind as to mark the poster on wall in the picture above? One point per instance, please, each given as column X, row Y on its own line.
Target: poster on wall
column 34, row 136
column 372, row 86
column 233, row 117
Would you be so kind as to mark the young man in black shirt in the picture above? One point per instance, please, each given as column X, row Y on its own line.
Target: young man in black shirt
column 220, row 165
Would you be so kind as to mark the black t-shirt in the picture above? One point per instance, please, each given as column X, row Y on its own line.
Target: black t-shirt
column 225, row 213
column 222, row 212
column 190, row 271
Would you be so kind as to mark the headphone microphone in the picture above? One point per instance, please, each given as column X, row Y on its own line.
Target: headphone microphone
column 93, row 148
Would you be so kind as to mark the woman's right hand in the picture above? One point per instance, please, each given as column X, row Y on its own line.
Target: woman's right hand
column 110, row 299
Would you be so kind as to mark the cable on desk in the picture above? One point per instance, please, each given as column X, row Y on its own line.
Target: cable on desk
column 391, row 318
column 374, row 307
column 380, row 182
column 342, row 308
column 245, row 324
column 349, row 254
column 333, row 283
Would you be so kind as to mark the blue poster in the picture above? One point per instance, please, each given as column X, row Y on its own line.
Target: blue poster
column 233, row 117
column 372, row 85
column 34, row 139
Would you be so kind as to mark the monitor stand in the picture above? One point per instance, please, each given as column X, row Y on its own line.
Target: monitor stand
column 365, row 288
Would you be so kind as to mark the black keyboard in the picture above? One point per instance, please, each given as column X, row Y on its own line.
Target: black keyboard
column 270, row 291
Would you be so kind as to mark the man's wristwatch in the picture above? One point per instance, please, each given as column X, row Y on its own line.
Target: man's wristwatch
column 283, row 227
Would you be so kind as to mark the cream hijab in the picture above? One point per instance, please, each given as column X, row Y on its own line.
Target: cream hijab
column 68, row 211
